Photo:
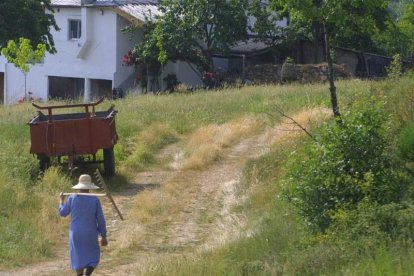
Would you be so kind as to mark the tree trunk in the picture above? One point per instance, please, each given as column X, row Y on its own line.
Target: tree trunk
column 332, row 88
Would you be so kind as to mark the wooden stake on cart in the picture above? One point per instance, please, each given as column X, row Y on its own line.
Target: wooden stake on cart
column 101, row 183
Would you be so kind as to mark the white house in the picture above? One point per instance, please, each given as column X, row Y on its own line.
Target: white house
column 90, row 47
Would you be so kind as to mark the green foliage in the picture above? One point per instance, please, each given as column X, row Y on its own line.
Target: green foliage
column 20, row 239
column 54, row 181
column 266, row 26
column 394, row 70
column 374, row 224
column 144, row 55
column 406, row 25
column 397, row 37
column 349, row 23
column 289, row 60
column 147, row 143
column 350, row 163
column 32, row 19
column 406, row 142
column 22, row 54
column 192, row 30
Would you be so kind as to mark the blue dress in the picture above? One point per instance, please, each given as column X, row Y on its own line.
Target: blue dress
column 87, row 220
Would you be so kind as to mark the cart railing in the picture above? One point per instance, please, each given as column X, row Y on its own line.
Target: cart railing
column 85, row 105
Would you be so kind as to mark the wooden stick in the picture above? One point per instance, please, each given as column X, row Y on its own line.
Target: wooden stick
column 85, row 194
column 102, row 183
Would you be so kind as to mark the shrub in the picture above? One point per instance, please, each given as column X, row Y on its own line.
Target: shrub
column 375, row 223
column 406, row 143
column 394, row 70
column 349, row 163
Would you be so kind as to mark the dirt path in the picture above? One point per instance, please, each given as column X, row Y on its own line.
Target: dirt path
column 206, row 220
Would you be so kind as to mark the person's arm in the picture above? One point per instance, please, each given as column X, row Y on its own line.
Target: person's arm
column 64, row 208
column 100, row 219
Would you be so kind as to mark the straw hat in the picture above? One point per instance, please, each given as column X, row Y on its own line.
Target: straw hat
column 85, row 183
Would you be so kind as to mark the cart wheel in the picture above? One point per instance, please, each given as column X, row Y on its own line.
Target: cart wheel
column 109, row 161
column 44, row 162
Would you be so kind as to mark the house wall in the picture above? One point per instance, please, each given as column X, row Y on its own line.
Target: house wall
column 97, row 55
column 185, row 74
column 1, row 88
column 125, row 76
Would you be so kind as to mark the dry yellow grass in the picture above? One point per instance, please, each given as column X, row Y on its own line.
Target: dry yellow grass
column 206, row 143
column 287, row 130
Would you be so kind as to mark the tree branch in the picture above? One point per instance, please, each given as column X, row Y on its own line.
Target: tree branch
column 281, row 112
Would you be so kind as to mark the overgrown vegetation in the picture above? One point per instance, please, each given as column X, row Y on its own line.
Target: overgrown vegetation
column 349, row 164
column 365, row 229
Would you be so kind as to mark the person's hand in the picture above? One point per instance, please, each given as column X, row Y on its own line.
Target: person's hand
column 61, row 198
column 104, row 241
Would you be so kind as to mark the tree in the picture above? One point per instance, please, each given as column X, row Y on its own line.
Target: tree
column 32, row 19
column 22, row 55
column 398, row 35
column 194, row 30
column 266, row 26
column 335, row 18
column 144, row 56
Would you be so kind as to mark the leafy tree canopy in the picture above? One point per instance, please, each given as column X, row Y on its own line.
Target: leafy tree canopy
column 192, row 30
column 32, row 19
column 336, row 20
column 349, row 23
column 398, row 38
column 22, row 54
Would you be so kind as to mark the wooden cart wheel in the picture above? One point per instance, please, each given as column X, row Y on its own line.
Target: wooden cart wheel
column 44, row 162
column 109, row 161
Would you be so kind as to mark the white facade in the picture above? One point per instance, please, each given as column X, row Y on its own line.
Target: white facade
column 88, row 62
column 85, row 67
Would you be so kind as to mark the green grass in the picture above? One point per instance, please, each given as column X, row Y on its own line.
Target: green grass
column 280, row 244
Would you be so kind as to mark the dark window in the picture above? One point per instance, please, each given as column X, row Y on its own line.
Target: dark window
column 74, row 29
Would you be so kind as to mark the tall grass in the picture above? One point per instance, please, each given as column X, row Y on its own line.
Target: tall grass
column 281, row 244
column 30, row 227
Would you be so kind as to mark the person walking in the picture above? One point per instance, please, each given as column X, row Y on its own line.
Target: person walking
column 87, row 222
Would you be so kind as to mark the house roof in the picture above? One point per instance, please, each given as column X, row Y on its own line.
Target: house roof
column 66, row 2
column 131, row 9
column 101, row 3
column 140, row 12
column 249, row 47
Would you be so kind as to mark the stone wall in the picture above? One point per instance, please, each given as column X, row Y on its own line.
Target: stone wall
column 304, row 73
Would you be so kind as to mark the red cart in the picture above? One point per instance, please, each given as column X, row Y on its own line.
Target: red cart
column 78, row 136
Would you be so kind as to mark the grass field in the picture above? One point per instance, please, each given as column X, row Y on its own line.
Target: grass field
column 281, row 244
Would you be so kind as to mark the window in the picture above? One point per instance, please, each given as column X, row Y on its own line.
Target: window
column 74, row 29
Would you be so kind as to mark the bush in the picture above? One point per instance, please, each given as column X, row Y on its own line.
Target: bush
column 349, row 163
column 375, row 223
column 394, row 70
column 406, row 143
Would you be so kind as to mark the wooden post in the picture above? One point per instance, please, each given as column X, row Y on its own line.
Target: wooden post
column 101, row 182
